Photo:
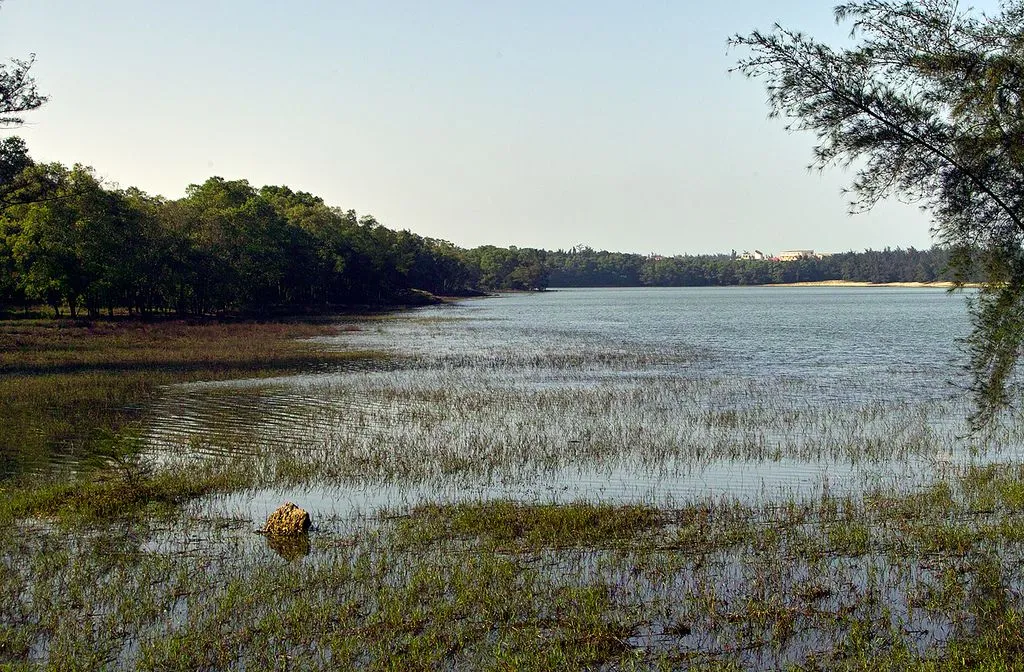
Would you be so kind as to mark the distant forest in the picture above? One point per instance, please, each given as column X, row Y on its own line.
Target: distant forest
column 80, row 247
column 584, row 267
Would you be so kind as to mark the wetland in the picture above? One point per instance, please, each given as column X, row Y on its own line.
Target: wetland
column 717, row 478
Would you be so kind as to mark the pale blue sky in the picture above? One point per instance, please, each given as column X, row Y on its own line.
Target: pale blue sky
column 537, row 124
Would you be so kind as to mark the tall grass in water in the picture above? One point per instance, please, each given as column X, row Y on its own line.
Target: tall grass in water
column 457, row 425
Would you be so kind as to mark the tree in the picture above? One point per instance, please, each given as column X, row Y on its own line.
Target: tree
column 14, row 159
column 17, row 91
column 18, row 94
column 74, row 248
column 926, row 106
column 243, row 240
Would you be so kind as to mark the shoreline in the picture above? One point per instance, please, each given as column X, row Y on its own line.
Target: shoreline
column 939, row 284
column 858, row 283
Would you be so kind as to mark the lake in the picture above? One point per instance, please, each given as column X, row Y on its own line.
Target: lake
column 649, row 395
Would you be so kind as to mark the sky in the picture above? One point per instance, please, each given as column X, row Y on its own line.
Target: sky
column 545, row 124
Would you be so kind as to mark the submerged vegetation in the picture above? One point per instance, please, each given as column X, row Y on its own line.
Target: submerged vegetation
column 118, row 488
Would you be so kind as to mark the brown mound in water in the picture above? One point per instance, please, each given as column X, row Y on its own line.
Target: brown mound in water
column 287, row 521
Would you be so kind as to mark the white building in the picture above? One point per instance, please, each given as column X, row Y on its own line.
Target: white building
column 796, row 255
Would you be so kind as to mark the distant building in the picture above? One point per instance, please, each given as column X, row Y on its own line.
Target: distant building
column 756, row 255
column 796, row 255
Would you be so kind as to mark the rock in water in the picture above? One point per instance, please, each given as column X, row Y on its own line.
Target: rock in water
column 288, row 520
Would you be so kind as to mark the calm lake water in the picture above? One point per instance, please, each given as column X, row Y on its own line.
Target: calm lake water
column 606, row 394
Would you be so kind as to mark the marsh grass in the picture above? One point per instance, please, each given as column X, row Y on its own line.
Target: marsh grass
column 835, row 582
column 113, row 493
column 465, row 426
column 64, row 383
column 445, row 413
column 503, row 523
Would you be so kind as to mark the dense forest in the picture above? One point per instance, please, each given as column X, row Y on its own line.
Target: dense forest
column 70, row 242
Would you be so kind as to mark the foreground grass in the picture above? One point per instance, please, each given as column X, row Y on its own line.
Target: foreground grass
column 927, row 581
column 64, row 384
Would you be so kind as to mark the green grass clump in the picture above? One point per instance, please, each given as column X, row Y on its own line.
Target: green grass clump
column 849, row 538
column 106, row 495
column 507, row 523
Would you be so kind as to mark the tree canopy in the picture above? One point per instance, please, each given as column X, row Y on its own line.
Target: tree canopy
column 925, row 105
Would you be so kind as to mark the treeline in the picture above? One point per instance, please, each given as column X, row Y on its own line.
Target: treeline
column 69, row 241
column 585, row 267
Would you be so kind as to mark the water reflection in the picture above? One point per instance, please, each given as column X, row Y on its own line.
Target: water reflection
column 291, row 548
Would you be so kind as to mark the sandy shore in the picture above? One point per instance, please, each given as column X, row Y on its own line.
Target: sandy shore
column 850, row 283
